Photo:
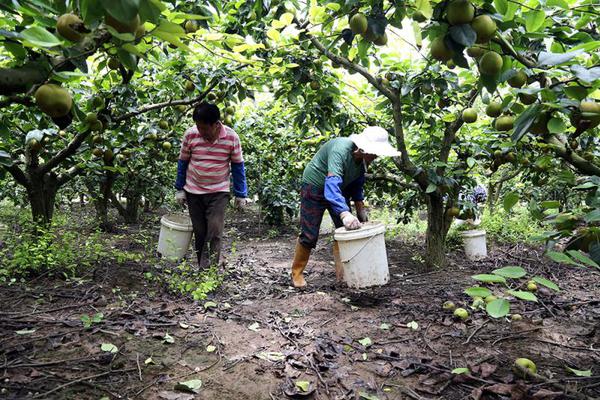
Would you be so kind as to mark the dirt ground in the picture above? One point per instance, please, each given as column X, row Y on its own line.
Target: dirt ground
column 260, row 337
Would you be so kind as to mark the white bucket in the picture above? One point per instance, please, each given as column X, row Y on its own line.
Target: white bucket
column 475, row 244
column 175, row 235
column 363, row 255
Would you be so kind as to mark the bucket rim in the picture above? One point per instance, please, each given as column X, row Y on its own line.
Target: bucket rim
column 473, row 233
column 368, row 230
column 167, row 220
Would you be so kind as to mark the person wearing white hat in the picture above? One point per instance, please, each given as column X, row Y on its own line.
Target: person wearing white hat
column 334, row 177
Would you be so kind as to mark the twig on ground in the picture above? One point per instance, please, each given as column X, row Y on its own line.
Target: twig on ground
column 475, row 332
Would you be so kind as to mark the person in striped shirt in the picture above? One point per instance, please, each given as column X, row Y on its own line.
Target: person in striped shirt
column 210, row 153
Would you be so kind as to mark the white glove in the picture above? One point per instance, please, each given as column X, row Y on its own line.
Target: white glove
column 350, row 221
column 239, row 203
column 180, row 197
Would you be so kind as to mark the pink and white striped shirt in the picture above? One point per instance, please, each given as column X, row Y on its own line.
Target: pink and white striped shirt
column 209, row 163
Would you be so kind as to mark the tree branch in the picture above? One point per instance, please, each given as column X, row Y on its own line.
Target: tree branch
column 66, row 152
column 507, row 48
column 69, row 175
column 18, row 175
column 581, row 164
column 391, row 178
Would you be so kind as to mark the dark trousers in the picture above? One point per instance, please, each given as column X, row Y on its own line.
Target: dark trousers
column 312, row 207
column 207, row 212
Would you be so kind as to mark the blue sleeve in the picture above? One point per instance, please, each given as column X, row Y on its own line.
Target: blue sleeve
column 239, row 180
column 355, row 190
column 181, row 173
column 333, row 194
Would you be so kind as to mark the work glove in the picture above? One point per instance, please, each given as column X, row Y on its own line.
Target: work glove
column 180, row 197
column 240, row 203
column 350, row 221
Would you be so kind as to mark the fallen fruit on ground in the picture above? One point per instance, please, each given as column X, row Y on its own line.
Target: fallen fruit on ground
column 525, row 363
column 461, row 313
column 448, row 305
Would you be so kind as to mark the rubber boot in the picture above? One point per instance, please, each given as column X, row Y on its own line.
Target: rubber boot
column 337, row 259
column 300, row 260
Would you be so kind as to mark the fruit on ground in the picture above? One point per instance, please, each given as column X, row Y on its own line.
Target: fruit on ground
column 516, row 317
column 518, row 80
column 490, row 63
column 531, row 286
column 53, row 100
column 525, row 363
column 315, row 85
column 504, row 123
column 191, row 26
column 381, row 40
column 448, row 305
column 476, row 51
column 494, row 109
column 67, row 27
column 35, row 145
column 163, row 124
column 527, row 98
column 461, row 313
column 490, row 298
column 469, row 115
column 439, row 51
column 167, row 145
column 453, row 212
column 484, row 27
column 419, row 17
column 359, row 24
column 478, row 302
column 460, row 12
column 130, row 26
column 189, row 86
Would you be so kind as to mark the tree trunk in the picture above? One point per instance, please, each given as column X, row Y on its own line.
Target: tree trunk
column 42, row 196
column 438, row 224
column 132, row 207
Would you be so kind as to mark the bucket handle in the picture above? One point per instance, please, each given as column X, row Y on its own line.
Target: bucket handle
column 359, row 250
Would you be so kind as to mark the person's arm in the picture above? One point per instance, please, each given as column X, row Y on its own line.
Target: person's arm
column 182, row 165
column 238, row 171
column 355, row 190
column 333, row 190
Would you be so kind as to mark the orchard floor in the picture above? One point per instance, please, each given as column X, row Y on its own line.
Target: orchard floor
column 311, row 335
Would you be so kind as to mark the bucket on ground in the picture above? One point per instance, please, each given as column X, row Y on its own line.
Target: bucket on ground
column 363, row 255
column 175, row 235
column 475, row 245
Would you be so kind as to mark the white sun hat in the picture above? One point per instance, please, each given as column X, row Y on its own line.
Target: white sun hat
column 374, row 140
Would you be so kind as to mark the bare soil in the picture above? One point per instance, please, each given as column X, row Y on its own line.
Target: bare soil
column 268, row 336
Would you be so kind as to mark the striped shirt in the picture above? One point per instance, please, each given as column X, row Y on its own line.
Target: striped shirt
column 209, row 163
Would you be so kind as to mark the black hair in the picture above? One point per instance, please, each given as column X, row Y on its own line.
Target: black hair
column 207, row 113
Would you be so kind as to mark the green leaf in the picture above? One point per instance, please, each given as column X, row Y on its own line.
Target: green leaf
column 463, row 34
column 366, row 342
column 5, row 158
column 431, row 188
column 40, row 37
column 191, row 386
column 588, row 75
column 459, row 371
column 520, row 294
column 524, row 121
column 510, row 272
column 579, row 256
column 25, row 331
column 498, row 308
column 210, row 304
column 551, row 59
column 550, row 204
column 367, row 396
column 577, row 372
column 478, row 291
column 413, row 325
column 556, row 125
column 558, row 3
column 592, row 216
column 122, row 10
column 545, row 282
column 109, row 347
column 425, row 7
column 303, row 385
column 501, row 6
column 560, row 258
column 489, row 278
column 534, row 20
column 509, row 201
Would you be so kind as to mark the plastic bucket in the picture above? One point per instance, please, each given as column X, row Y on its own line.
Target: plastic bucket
column 475, row 244
column 363, row 255
column 175, row 235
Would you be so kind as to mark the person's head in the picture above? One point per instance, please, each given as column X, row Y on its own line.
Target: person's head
column 371, row 143
column 207, row 118
column 360, row 155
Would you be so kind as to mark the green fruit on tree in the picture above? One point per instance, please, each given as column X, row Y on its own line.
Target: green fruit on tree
column 228, row 120
column 439, row 51
column 527, row 98
column 451, row 64
column 504, row 123
column 453, row 212
column 494, row 109
column 108, row 156
column 484, row 27
column 531, row 286
column 181, row 108
column 510, row 157
column 315, row 85
column 96, row 126
column 120, row 158
column 469, row 115
column 498, row 154
column 35, row 145
column 98, row 102
column 461, row 313
column 191, row 26
column 419, row 17
column 230, row 110
column 475, row 51
column 516, row 317
column 53, row 100
column 91, row 118
column 540, row 125
column 518, row 80
column 490, row 298
column 189, row 86
column 97, row 152
column 211, row 97
column 526, row 364
column 359, row 24
column 460, row 12
column 96, row 139
column 448, row 305
column 130, row 26
column 381, row 40
column 167, row 146
column 152, row 136
column 587, row 116
column 490, row 63
column 114, row 63
column 68, row 26
column 574, row 144
column 162, row 124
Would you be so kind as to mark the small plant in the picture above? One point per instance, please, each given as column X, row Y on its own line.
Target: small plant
column 187, row 280
column 89, row 320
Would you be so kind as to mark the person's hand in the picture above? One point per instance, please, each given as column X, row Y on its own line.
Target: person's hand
column 361, row 211
column 180, row 197
column 240, row 203
column 350, row 221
